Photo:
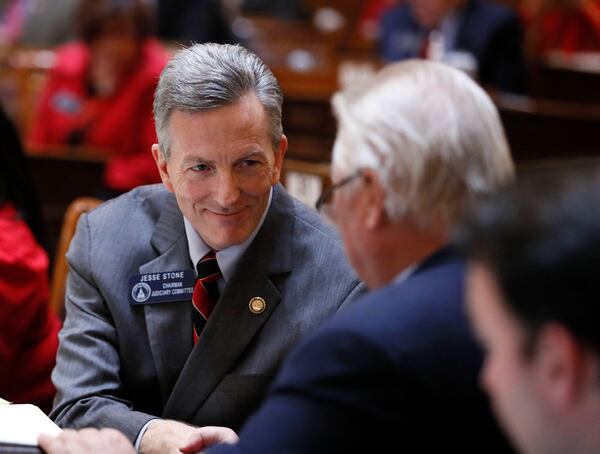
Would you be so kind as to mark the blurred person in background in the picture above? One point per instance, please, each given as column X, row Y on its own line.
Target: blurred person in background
column 37, row 23
column 370, row 17
column 282, row 9
column 193, row 21
column 28, row 328
column 99, row 94
column 480, row 36
column 562, row 25
column 534, row 303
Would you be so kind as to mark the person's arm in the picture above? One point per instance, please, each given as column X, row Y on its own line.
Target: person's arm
column 27, row 325
column 326, row 389
column 87, row 374
column 95, row 441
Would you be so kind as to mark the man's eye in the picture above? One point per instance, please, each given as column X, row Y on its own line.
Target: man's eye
column 201, row 168
column 249, row 163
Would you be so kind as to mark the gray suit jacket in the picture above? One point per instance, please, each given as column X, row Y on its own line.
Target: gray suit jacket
column 120, row 365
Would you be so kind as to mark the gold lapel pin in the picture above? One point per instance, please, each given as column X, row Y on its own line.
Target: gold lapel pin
column 257, row 305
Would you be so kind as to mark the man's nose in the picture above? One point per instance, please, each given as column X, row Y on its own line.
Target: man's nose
column 227, row 191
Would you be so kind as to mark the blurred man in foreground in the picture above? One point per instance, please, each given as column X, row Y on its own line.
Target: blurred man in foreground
column 534, row 302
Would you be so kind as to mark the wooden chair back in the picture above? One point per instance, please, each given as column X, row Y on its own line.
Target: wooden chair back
column 305, row 180
column 60, row 268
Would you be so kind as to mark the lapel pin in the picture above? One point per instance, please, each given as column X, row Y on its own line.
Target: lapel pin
column 257, row 305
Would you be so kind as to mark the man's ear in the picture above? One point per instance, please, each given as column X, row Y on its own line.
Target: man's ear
column 161, row 164
column 279, row 155
column 561, row 365
column 372, row 198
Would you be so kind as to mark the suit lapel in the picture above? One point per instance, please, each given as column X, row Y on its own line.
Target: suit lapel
column 232, row 325
column 169, row 325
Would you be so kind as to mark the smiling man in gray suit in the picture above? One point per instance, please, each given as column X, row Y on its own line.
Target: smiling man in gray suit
column 151, row 342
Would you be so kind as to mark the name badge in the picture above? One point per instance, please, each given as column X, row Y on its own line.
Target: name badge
column 67, row 103
column 163, row 287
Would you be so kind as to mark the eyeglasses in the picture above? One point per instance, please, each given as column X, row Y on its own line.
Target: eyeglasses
column 327, row 194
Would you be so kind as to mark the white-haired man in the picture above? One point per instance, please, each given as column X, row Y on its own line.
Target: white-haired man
column 398, row 369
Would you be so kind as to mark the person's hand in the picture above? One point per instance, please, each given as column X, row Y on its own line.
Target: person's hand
column 86, row 441
column 203, row 437
column 165, row 436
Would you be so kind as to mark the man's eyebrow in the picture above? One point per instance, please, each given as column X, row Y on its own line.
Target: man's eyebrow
column 252, row 154
column 195, row 160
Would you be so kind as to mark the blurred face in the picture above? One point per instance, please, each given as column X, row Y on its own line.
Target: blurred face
column 512, row 381
column 343, row 209
column 430, row 13
column 221, row 169
column 116, row 44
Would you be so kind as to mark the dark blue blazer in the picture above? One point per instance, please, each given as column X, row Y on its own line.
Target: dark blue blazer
column 398, row 368
column 492, row 33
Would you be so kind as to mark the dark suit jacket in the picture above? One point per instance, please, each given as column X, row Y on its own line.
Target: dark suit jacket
column 120, row 365
column 492, row 33
column 398, row 369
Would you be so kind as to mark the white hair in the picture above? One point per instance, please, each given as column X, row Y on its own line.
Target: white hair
column 431, row 133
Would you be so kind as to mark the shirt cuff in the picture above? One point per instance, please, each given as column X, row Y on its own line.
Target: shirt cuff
column 138, row 440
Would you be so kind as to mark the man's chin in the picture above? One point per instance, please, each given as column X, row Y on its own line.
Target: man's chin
column 223, row 240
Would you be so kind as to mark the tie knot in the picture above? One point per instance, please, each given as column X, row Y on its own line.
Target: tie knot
column 208, row 266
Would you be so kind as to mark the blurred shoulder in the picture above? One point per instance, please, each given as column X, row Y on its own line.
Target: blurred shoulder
column 154, row 57
column 71, row 59
column 19, row 251
column 491, row 11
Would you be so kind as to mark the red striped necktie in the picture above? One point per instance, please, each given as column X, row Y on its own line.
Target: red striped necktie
column 206, row 292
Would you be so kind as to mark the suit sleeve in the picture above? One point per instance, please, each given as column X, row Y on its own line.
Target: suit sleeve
column 89, row 389
column 358, row 291
column 328, row 387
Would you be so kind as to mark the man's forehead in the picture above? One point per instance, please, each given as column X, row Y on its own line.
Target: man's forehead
column 249, row 101
column 238, row 120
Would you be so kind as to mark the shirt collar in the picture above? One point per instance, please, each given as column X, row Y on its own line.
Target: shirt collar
column 449, row 28
column 405, row 273
column 226, row 258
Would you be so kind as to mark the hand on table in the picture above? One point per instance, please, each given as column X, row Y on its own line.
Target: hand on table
column 86, row 441
column 203, row 437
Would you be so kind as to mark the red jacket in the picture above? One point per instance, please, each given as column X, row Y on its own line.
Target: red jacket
column 568, row 29
column 28, row 328
column 121, row 124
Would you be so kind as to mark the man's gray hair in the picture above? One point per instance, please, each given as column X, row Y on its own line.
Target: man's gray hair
column 209, row 76
column 433, row 136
